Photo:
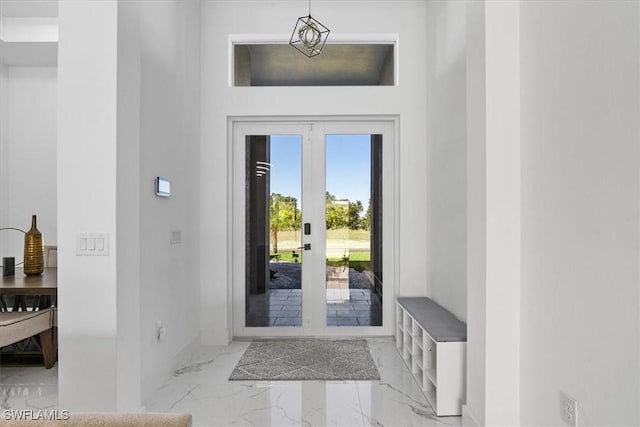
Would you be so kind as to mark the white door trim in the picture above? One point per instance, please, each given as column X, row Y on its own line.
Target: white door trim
column 238, row 127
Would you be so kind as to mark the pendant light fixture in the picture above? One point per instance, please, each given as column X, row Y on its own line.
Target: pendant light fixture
column 309, row 35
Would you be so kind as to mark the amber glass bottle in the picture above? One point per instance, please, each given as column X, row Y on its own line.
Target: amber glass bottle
column 33, row 250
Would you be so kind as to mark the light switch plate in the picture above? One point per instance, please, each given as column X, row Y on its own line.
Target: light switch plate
column 569, row 409
column 176, row 237
column 92, row 244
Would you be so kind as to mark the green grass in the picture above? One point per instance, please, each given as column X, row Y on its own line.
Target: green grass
column 354, row 257
column 355, row 242
column 339, row 234
column 360, row 256
column 357, row 260
column 288, row 256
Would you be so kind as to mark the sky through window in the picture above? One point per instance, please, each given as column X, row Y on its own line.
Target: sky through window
column 348, row 163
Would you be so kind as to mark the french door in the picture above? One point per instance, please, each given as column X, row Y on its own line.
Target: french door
column 312, row 237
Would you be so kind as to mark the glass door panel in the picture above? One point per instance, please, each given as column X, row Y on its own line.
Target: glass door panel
column 273, row 218
column 353, row 222
column 306, row 229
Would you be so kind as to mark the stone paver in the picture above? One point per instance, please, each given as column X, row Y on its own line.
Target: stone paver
column 282, row 307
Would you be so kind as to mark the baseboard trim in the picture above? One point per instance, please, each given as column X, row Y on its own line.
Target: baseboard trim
column 468, row 420
column 185, row 354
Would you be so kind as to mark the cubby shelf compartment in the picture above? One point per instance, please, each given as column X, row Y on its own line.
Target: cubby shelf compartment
column 432, row 375
column 436, row 358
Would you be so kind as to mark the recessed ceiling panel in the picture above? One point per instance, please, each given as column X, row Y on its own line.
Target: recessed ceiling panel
column 29, row 8
column 338, row 65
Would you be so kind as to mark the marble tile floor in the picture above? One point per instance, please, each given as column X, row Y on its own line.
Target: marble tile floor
column 202, row 388
column 282, row 307
column 32, row 387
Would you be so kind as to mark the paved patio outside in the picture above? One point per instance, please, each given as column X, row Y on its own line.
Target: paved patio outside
column 350, row 300
column 282, row 307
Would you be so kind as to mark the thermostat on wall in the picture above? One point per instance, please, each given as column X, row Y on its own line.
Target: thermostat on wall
column 163, row 187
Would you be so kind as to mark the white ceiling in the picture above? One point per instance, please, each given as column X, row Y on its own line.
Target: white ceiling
column 29, row 8
column 270, row 64
column 29, row 53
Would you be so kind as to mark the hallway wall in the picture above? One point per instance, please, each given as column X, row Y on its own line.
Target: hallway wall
column 447, row 155
column 220, row 19
column 580, row 211
column 127, row 115
column 169, row 145
column 87, row 106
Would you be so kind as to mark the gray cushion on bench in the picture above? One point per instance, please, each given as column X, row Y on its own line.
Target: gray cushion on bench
column 437, row 321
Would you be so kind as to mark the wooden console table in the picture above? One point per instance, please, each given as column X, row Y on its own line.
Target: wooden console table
column 28, row 293
column 43, row 286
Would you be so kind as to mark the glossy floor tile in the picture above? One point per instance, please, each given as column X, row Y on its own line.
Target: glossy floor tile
column 28, row 387
column 202, row 388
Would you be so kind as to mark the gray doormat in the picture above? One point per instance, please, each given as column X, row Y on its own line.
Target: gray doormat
column 306, row 359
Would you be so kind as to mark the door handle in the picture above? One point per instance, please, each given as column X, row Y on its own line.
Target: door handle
column 307, row 228
column 307, row 246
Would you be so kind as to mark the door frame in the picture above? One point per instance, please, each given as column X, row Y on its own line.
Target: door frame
column 238, row 127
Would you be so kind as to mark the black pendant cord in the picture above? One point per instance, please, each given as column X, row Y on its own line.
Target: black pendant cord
column 309, row 7
column 15, row 229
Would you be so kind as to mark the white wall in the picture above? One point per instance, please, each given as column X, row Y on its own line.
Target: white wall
column 4, row 160
column 493, row 200
column 87, row 203
column 447, row 155
column 28, row 147
column 476, row 218
column 128, row 268
column 580, row 135
column 169, row 147
column 219, row 101
column 126, row 116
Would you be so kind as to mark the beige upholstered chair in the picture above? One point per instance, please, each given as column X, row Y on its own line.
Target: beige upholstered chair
column 19, row 325
column 50, row 255
column 112, row 420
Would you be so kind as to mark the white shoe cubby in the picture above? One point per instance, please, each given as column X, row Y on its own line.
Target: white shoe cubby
column 437, row 366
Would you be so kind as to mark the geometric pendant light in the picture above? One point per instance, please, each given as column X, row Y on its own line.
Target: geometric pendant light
column 309, row 35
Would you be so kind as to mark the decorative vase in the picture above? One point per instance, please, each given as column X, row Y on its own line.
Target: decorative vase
column 33, row 250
